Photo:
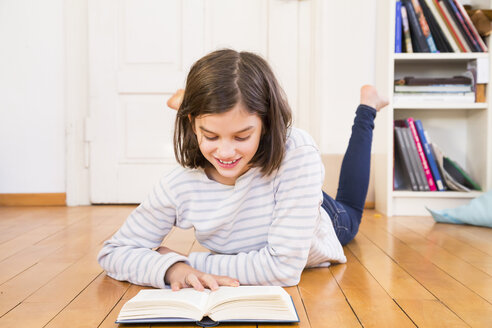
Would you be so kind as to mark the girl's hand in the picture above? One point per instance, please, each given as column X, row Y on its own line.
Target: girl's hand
column 181, row 275
column 175, row 101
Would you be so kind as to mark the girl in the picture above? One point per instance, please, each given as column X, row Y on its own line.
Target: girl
column 249, row 184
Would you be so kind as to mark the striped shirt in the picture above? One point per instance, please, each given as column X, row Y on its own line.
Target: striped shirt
column 264, row 230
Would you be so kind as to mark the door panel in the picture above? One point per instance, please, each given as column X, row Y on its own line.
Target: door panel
column 140, row 53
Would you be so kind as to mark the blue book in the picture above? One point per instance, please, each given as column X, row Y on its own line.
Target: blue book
column 429, row 155
column 398, row 28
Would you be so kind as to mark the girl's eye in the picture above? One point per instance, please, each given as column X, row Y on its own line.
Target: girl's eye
column 242, row 139
column 211, row 138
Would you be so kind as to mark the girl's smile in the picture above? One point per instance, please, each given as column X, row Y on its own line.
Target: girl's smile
column 228, row 141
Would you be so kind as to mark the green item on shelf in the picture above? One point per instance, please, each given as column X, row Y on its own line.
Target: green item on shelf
column 477, row 212
column 459, row 174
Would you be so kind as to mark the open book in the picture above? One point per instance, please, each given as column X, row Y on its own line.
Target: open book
column 243, row 303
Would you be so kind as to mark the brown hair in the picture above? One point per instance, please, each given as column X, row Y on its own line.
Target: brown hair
column 215, row 84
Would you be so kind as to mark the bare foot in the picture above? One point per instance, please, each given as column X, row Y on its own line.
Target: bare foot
column 175, row 101
column 369, row 96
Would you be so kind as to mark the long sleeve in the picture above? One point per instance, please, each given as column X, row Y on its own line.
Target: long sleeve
column 128, row 255
column 298, row 196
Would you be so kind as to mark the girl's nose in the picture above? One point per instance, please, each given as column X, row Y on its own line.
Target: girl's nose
column 226, row 150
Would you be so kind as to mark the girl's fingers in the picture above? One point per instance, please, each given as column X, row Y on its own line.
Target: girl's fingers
column 226, row 281
column 175, row 286
column 193, row 281
column 210, row 281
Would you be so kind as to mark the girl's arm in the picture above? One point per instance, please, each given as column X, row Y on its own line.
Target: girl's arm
column 129, row 254
column 298, row 195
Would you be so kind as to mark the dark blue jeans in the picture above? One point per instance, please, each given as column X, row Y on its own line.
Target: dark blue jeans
column 346, row 209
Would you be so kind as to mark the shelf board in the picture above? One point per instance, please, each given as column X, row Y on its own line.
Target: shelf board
column 436, row 194
column 440, row 56
column 440, row 105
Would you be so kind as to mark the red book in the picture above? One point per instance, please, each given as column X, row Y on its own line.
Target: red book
column 471, row 27
column 420, row 150
column 450, row 26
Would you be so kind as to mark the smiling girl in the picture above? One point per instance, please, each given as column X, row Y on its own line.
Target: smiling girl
column 249, row 184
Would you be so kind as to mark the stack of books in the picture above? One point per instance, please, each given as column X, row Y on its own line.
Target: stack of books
column 435, row 26
column 420, row 165
column 456, row 89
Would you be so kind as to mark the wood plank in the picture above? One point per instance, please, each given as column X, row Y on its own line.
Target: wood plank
column 470, row 307
column 29, row 315
column 43, row 199
column 93, row 304
column 369, row 301
column 426, row 227
column 324, row 302
column 19, row 288
column 475, row 279
column 67, row 247
column 27, row 239
column 407, row 292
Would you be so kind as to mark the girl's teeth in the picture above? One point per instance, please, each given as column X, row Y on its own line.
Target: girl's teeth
column 230, row 162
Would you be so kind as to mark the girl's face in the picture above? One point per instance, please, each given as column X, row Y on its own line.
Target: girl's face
column 228, row 141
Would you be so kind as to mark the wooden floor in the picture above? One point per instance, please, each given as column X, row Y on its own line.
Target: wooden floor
column 401, row 272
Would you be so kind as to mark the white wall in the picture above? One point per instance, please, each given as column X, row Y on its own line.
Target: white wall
column 32, row 156
column 348, row 53
column 32, row 86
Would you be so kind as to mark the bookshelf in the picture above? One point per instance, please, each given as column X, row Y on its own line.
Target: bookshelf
column 462, row 130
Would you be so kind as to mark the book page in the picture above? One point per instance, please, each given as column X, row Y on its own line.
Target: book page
column 251, row 302
column 155, row 303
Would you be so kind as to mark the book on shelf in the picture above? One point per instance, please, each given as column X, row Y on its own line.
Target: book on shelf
column 415, row 164
column 453, row 26
column 420, row 149
column 208, row 308
column 442, row 25
column 459, row 174
column 456, row 15
column 443, row 88
column 404, row 177
column 406, row 30
column 410, row 171
column 430, row 157
column 450, row 182
column 398, row 28
column 411, row 80
column 453, row 89
column 436, row 26
column 423, row 97
column 442, row 43
column 419, row 43
column 471, row 27
column 424, row 26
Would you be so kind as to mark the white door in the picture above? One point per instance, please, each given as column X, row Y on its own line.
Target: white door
column 140, row 52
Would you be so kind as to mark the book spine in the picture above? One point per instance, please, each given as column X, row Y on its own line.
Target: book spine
column 406, row 30
column 404, row 155
column 420, row 150
column 442, row 25
column 438, row 35
column 418, row 37
column 471, row 27
column 425, row 27
column 398, row 28
column 461, row 25
column 430, row 157
column 418, row 171
column 452, row 26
